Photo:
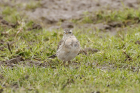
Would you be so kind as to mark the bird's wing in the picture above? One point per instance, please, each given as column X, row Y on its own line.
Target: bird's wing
column 59, row 44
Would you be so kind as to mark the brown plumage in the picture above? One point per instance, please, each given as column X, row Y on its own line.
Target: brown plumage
column 68, row 47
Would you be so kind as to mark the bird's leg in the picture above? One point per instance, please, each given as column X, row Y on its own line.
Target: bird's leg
column 69, row 62
column 64, row 63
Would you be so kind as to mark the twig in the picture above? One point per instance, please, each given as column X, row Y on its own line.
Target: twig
column 68, row 82
column 9, row 48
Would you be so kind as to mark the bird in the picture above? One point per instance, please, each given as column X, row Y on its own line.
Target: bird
column 69, row 47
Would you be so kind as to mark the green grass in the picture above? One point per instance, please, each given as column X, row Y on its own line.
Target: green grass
column 130, row 15
column 33, row 5
column 62, row 79
column 114, row 69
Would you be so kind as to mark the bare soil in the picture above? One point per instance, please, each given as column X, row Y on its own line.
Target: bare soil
column 52, row 11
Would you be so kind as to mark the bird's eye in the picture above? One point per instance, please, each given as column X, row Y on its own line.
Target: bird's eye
column 69, row 32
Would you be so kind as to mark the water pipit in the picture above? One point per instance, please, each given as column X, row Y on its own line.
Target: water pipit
column 69, row 47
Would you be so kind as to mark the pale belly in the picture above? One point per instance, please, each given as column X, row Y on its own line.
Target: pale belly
column 68, row 55
column 69, row 49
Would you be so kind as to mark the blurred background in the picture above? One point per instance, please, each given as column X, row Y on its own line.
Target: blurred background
column 53, row 13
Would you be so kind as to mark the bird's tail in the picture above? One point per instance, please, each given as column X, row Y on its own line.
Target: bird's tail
column 52, row 56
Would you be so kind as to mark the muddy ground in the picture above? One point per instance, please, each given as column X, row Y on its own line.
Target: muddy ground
column 52, row 11
column 48, row 13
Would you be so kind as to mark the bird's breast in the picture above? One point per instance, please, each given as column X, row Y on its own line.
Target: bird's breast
column 72, row 43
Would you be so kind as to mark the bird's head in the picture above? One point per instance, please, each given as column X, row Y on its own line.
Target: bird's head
column 68, row 32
